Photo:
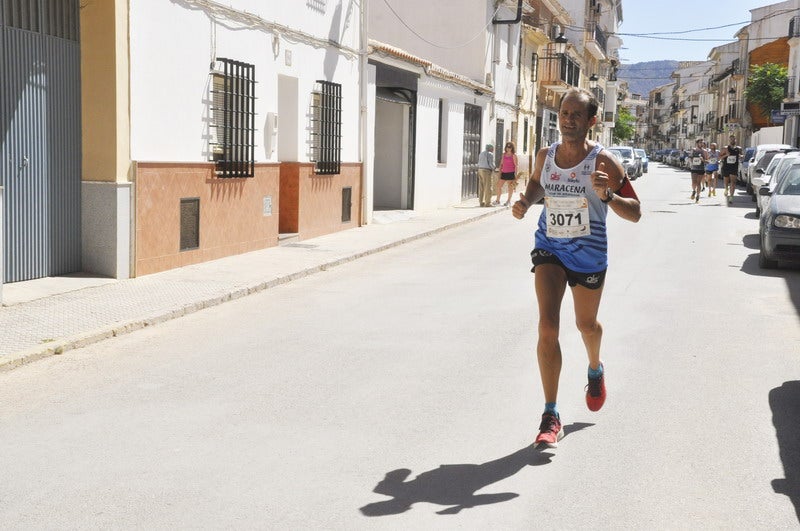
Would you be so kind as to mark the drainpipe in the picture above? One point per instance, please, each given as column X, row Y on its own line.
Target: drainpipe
column 362, row 119
column 519, row 58
column 511, row 21
column 1, row 245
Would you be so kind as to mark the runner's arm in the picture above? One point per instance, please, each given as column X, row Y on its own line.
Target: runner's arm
column 534, row 191
column 609, row 176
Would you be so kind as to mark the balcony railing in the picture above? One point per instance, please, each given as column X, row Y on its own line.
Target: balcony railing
column 560, row 73
column 599, row 94
column 794, row 27
column 596, row 34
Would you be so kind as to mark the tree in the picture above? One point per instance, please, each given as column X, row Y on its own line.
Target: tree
column 624, row 125
column 765, row 86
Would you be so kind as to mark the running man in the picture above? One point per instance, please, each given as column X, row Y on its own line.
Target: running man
column 712, row 167
column 731, row 156
column 697, row 165
column 579, row 181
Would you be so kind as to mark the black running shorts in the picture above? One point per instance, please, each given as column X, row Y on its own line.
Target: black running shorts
column 587, row 280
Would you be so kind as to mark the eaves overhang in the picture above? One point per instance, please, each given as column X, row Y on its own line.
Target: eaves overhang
column 431, row 69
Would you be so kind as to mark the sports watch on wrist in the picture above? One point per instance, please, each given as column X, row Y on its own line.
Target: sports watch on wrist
column 609, row 196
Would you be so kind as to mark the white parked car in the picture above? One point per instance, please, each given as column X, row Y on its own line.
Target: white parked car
column 763, row 176
column 761, row 159
column 787, row 163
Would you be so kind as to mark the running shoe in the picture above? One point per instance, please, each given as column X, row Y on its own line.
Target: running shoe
column 596, row 392
column 550, row 431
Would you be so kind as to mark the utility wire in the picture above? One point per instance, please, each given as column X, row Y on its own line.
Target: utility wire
column 435, row 45
column 654, row 34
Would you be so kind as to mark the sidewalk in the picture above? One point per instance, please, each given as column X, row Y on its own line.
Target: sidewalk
column 43, row 317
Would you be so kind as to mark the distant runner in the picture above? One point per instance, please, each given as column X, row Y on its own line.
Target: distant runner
column 731, row 157
column 712, row 166
column 697, row 165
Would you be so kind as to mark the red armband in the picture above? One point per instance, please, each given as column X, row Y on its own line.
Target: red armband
column 627, row 190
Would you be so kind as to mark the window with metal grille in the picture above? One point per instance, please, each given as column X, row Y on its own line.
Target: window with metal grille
column 525, row 136
column 326, row 130
column 233, row 118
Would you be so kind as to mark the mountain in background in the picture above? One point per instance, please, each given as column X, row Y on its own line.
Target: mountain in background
column 644, row 77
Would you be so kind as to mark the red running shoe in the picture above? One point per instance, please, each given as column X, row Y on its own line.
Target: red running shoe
column 550, row 431
column 596, row 392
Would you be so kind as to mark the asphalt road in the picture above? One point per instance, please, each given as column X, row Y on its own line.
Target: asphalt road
column 401, row 391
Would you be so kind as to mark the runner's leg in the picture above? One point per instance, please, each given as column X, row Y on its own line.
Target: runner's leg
column 551, row 283
column 587, row 303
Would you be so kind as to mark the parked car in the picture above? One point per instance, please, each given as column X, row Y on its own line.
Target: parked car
column 630, row 162
column 673, row 157
column 780, row 164
column 744, row 163
column 645, row 160
column 779, row 225
column 685, row 159
column 762, row 176
column 761, row 159
column 618, row 154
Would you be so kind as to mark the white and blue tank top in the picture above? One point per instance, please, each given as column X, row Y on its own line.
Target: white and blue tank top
column 572, row 225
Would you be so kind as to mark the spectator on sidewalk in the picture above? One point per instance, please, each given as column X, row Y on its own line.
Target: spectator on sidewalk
column 485, row 171
column 508, row 172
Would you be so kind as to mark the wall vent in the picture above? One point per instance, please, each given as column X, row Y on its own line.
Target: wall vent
column 190, row 223
column 347, row 203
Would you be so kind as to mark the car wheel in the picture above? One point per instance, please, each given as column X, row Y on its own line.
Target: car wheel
column 764, row 261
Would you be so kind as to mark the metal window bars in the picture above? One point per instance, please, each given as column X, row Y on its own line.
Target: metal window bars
column 233, row 110
column 57, row 18
column 326, row 128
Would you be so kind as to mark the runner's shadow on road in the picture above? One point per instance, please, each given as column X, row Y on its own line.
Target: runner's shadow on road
column 454, row 486
column 785, row 404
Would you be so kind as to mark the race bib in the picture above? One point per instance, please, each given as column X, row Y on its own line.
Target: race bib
column 697, row 161
column 712, row 160
column 731, row 159
column 567, row 217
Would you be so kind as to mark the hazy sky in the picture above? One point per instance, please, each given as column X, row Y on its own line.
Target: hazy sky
column 643, row 16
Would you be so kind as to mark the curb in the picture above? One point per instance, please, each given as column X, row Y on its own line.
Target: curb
column 60, row 346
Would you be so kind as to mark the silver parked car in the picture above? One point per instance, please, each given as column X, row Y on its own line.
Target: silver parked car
column 630, row 161
column 779, row 225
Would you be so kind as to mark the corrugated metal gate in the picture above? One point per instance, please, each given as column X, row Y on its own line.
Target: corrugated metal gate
column 40, row 138
column 472, row 148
